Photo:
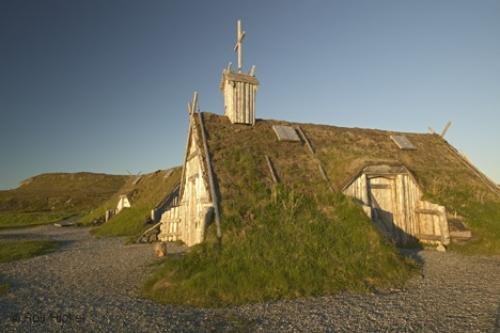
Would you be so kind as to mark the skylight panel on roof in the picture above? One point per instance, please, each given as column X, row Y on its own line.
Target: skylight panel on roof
column 402, row 142
column 285, row 133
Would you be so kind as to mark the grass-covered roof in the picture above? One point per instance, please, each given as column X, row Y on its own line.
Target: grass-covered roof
column 445, row 177
column 343, row 152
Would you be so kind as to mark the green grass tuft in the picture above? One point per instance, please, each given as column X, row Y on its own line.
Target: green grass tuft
column 25, row 219
column 130, row 222
column 484, row 220
column 291, row 248
column 17, row 250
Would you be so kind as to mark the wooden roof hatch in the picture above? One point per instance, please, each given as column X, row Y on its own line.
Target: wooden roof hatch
column 286, row 133
column 402, row 142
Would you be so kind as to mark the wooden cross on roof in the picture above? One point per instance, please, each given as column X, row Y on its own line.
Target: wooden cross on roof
column 238, row 47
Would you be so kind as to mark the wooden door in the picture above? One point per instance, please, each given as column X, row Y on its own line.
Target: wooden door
column 381, row 193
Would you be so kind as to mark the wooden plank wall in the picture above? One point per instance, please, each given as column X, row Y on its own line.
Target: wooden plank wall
column 424, row 220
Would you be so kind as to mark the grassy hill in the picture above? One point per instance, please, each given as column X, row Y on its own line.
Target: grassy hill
column 50, row 197
column 144, row 194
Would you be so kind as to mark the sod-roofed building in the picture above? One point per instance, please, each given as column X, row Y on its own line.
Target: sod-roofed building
column 389, row 182
column 403, row 181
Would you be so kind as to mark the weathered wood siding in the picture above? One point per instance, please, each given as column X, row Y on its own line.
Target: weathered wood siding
column 239, row 91
column 393, row 200
column 170, row 229
column 187, row 221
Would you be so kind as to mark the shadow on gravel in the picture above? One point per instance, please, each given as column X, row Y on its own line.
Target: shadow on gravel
column 497, row 321
column 62, row 245
column 23, row 236
column 8, row 309
column 229, row 323
column 413, row 254
column 9, row 312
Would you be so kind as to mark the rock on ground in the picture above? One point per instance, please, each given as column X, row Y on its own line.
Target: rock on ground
column 92, row 285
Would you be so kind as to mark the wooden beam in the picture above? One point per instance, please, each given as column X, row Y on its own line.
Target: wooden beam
column 186, row 152
column 446, row 127
column 252, row 71
column 427, row 211
column 271, row 170
column 305, row 139
column 191, row 107
column 194, row 103
column 323, row 174
column 193, row 155
column 157, row 225
column 210, row 177
column 313, row 155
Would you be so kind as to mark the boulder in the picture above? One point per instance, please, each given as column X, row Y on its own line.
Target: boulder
column 440, row 248
column 161, row 249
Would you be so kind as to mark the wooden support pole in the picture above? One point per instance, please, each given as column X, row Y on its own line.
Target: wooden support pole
column 271, row 170
column 213, row 193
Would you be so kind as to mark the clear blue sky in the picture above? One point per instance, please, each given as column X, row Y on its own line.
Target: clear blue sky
column 102, row 85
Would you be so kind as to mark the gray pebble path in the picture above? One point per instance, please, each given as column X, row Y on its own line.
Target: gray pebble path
column 92, row 285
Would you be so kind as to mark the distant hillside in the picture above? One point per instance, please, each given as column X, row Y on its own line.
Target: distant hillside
column 61, row 191
column 50, row 197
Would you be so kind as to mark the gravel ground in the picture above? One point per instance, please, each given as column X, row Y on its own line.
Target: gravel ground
column 91, row 285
